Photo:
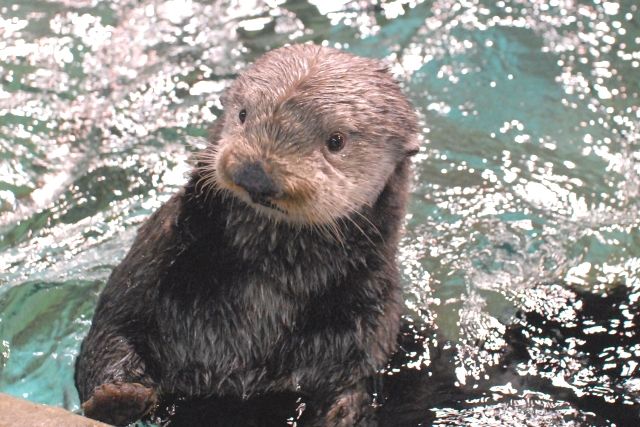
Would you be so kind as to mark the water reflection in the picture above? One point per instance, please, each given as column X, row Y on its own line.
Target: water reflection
column 522, row 251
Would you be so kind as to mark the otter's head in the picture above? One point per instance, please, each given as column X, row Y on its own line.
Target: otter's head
column 311, row 134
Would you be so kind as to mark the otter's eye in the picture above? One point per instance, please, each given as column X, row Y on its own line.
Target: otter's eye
column 242, row 115
column 336, row 142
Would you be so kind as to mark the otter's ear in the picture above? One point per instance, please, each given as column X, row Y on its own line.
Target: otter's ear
column 224, row 97
column 412, row 146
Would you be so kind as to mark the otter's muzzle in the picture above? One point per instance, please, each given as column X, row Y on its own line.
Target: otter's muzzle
column 253, row 178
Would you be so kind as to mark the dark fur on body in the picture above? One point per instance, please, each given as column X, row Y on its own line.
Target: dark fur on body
column 218, row 298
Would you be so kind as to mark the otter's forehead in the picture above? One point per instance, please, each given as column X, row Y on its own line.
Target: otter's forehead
column 310, row 75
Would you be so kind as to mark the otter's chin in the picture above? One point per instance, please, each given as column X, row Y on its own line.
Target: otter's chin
column 270, row 205
column 278, row 211
column 264, row 207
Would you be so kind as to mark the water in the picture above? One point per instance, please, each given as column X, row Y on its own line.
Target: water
column 522, row 252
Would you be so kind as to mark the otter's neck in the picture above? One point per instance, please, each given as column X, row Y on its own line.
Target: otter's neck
column 361, row 239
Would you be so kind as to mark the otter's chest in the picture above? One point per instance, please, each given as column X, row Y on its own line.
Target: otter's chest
column 227, row 342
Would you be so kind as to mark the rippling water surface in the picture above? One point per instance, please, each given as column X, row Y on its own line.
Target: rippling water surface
column 522, row 252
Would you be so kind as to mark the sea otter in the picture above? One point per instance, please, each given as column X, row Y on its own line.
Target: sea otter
column 274, row 268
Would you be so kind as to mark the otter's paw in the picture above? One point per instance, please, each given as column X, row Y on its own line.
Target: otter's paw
column 349, row 409
column 120, row 403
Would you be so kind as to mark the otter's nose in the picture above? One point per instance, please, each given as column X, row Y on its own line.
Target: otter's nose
column 253, row 178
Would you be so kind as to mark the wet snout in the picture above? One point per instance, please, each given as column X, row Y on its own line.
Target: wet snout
column 255, row 180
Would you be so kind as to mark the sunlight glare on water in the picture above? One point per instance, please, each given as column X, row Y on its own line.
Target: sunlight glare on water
column 522, row 252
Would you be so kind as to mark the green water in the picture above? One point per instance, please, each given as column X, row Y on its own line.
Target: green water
column 526, row 190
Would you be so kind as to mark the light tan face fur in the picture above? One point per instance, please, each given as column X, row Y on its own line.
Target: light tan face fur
column 295, row 98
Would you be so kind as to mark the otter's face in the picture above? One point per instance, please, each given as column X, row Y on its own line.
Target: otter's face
column 311, row 134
